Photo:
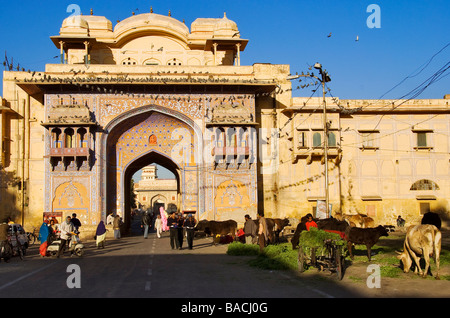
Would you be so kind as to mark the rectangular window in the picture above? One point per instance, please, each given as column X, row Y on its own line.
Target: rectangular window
column 369, row 139
column 424, row 208
column 302, row 139
column 421, row 139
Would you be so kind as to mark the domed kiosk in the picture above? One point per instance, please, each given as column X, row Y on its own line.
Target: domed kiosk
column 149, row 39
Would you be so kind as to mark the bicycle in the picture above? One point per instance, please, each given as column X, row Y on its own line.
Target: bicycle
column 32, row 237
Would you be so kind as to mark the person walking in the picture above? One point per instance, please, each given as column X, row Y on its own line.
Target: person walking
column 44, row 232
column 76, row 222
column 189, row 225
column 164, row 218
column 158, row 226
column 172, row 223
column 262, row 232
column 250, row 230
column 146, row 222
column 7, row 251
column 67, row 229
column 100, row 235
column 180, row 230
column 116, row 227
column 110, row 219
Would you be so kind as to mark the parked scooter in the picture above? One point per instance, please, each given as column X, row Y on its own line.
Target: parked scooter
column 75, row 246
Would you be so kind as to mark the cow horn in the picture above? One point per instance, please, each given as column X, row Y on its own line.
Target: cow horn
column 398, row 252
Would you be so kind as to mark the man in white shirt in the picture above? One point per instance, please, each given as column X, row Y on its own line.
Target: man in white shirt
column 67, row 230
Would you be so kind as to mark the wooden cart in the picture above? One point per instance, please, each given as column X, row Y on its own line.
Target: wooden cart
column 327, row 254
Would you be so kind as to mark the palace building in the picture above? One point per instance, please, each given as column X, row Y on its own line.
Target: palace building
column 151, row 90
column 153, row 192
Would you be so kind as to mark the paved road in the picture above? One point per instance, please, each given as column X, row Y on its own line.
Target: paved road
column 134, row 267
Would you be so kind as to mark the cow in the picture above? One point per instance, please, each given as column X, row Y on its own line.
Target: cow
column 432, row 218
column 422, row 240
column 333, row 225
column 300, row 228
column 274, row 227
column 217, row 228
column 359, row 220
column 280, row 224
column 368, row 237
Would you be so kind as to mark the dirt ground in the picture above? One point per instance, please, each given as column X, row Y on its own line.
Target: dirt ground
column 409, row 284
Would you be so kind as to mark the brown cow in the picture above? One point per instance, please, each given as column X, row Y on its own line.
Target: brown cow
column 368, row 237
column 217, row 228
column 421, row 241
column 280, row 224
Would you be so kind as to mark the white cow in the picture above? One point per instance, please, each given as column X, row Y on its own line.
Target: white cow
column 421, row 241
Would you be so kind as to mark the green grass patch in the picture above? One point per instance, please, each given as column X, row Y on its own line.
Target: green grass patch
column 240, row 249
column 390, row 271
column 276, row 257
column 273, row 257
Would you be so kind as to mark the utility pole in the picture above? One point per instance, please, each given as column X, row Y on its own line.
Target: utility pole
column 324, row 78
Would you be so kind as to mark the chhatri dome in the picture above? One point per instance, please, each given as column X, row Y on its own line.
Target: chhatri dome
column 75, row 25
column 225, row 28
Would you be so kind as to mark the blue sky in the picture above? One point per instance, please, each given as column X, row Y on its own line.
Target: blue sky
column 293, row 32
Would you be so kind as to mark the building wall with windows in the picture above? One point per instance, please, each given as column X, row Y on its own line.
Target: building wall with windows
column 387, row 157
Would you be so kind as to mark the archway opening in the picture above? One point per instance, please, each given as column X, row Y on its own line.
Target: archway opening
column 141, row 137
column 154, row 186
column 153, row 193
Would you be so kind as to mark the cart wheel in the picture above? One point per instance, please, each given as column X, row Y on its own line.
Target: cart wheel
column 79, row 252
column 313, row 256
column 339, row 264
column 301, row 260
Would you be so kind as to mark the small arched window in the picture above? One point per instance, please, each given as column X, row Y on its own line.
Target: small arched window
column 56, row 138
column 69, row 133
column 220, row 137
column 424, row 184
column 317, row 139
column 82, row 138
column 231, row 137
column 331, row 139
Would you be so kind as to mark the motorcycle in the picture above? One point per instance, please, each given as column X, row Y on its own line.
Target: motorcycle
column 5, row 251
column 18, row 240
column 75, row 246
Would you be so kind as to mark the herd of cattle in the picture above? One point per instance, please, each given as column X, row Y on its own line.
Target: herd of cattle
column 423, row 240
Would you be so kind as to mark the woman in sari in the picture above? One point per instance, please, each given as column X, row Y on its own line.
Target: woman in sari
column 100, row 235
column 43, row 238
column 163, row 219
